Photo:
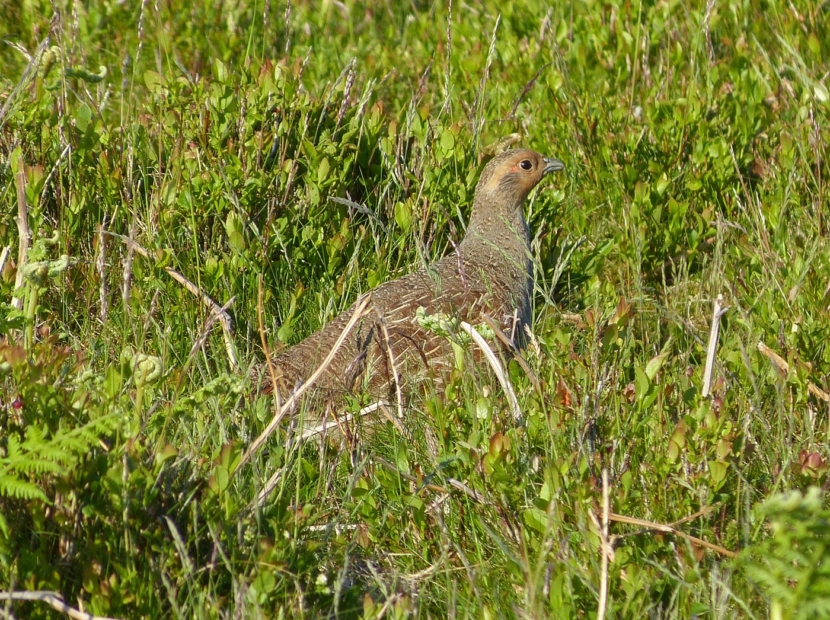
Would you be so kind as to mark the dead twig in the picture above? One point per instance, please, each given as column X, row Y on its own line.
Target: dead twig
column 24, row 233
column 223, row 317
column 606, row 548
column 660, row 527
column 497, row 368
column 53, row 599
column 700, row 513
column 782, row 365
column 473, row 495
column 515, row 351
column 4, row 257
column 209, row 323
column 717, row 312
column 127, row 277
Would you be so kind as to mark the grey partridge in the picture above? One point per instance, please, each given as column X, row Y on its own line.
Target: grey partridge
column 490, row 272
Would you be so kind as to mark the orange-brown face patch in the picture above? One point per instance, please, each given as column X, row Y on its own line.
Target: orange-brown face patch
column 495, row 179
column 509, row 171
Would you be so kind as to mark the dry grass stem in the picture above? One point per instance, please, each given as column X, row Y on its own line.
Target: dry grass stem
column 660, row 527
column 497, row 368
column 717, row 312
column 23, row 230
column 338, row 421
column 432, row 487
column 361, row 309
column 516, row 354
column 337, row 528
column 101, row 267
column 28, row 75
column 605, row 548
column 67, row 149
column 54, row 600
column 395, row 420
column 782, row 365
column 478, row 106
column 4, row 257
column 222, row 315
column 127, row 277
column 209, row 323
column 528, row 87
column 269, row 487
column 319, row 429
column 181, row 546
column 473, row 495
column 264, row 340
column 391, row 358
column 387, row 604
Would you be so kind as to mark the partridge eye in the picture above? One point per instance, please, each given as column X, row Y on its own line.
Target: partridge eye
column 526, row 164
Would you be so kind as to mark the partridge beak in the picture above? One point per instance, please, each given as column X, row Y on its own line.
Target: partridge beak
column 552, row 165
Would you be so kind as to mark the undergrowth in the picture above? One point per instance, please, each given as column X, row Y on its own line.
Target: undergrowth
column 286, row 158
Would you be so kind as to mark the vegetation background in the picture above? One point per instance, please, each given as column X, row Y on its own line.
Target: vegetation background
column 218, row 135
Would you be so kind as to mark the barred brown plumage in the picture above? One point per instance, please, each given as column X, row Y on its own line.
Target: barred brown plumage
column 489, row 272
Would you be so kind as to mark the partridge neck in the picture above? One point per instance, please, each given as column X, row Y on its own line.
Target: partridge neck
column 497, row 224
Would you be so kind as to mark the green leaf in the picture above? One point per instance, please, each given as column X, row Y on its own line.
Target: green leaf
column 16, row 160
column 662, row 184
column 112, row 381
column 220, row 71
column 654, row 364
column 447, row 141
column 220, row 479
column 535, row 519
column 403, row 216
column 322, row 170
column 82, row 117
column 401, row 459
column 641, row 383
column 814, row 44
column 154, row 82
column 236, row 232
column 285, row 332
column 717, row 471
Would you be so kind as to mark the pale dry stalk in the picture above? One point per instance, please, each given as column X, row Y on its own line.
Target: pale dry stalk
column 495, row 364
column 54, row 600
column 24, row 232
column 784, row 367
column 711, row 351
column 361, row 309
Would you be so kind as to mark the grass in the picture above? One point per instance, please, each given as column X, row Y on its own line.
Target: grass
column 216, row 136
